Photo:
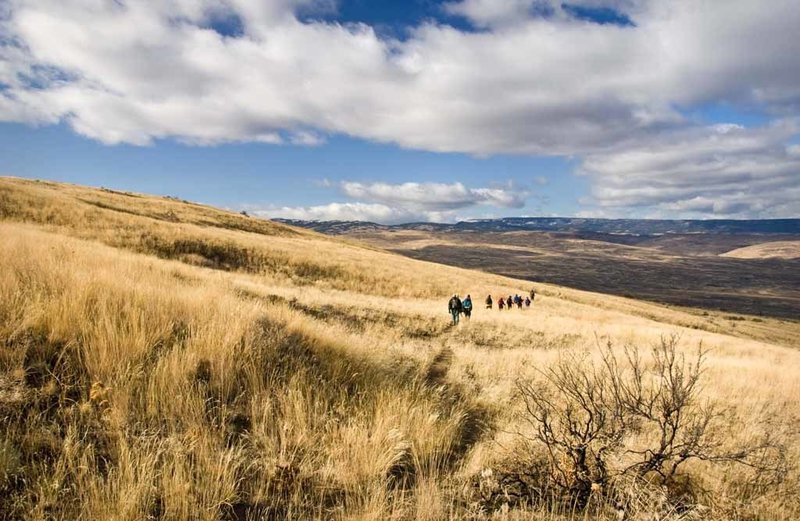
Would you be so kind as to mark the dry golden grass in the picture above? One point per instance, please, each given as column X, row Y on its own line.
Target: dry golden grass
column 167, row 360
column 767, row 250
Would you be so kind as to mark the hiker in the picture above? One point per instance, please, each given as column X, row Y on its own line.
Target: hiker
column 466, row 305
column 454, row 307
column 527, row 302
column 533, row 295
column 489, row 302
column 509, row 302
column 501, row 303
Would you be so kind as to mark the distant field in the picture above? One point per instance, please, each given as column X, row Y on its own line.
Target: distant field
column 768, row 250
column 681, row 270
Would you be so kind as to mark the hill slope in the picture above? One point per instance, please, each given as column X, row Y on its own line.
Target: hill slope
column 767, row 250
column 167, row 360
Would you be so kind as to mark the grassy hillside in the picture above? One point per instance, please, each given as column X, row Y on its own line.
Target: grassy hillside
column 767, row 250
column 166, row 360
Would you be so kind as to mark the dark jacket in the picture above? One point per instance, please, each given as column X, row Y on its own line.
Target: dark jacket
column 454, row 305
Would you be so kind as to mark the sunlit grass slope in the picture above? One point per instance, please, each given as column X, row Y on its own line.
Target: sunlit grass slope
column 166, row 360
column 767, row 250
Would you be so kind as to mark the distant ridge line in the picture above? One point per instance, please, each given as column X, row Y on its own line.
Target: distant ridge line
column 573, row 224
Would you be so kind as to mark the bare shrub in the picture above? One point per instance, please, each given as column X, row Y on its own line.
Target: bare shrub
column 622, row 417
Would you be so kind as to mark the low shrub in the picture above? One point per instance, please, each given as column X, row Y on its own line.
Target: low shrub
column 622, row 419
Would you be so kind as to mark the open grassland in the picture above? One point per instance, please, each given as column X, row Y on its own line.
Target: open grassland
column 165, row 360
column 767, row 250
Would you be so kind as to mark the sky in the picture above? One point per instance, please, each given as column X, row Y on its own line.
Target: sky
column 417, row 110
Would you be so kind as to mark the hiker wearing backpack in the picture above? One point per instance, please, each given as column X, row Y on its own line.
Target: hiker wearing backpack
column 501, row 303
column 454, row 307
column 509, row 302
column 489, row 302
column 466, row 305
column 527, row 302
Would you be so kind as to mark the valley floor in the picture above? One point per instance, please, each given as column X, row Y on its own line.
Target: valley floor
column 680, row 270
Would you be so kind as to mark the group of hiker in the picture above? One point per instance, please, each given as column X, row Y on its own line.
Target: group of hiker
column 456, row 306
column 509, row 302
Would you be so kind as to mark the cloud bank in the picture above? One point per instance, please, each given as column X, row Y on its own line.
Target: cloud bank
column 533, row 78
column 405, row 202
column 718, row 171
column 435, row 196
column 342, row 212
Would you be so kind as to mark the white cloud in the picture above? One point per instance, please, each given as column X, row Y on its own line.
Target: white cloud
column 398, row 203
column 722, row 170
column 435, row 196
column 344, row 212
column 534, row 81
column 135, row 71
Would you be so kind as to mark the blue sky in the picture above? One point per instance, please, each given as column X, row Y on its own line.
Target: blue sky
column 259, row 175
column 417, row 110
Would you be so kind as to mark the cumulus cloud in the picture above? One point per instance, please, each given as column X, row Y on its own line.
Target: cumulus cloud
column 395, row 203
column 135, row 71
column 435, row 196
column 534, row 80
column 716, row 171
column 343, row 212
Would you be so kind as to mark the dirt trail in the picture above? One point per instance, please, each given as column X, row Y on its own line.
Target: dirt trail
column 437, row 370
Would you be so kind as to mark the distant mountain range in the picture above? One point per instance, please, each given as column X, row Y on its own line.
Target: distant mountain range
column 635, row 227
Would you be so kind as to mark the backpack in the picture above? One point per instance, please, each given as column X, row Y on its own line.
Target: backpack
column 467, row 304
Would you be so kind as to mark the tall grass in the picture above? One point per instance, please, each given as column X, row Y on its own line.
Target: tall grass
column 166, row 360
column 158, row 397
